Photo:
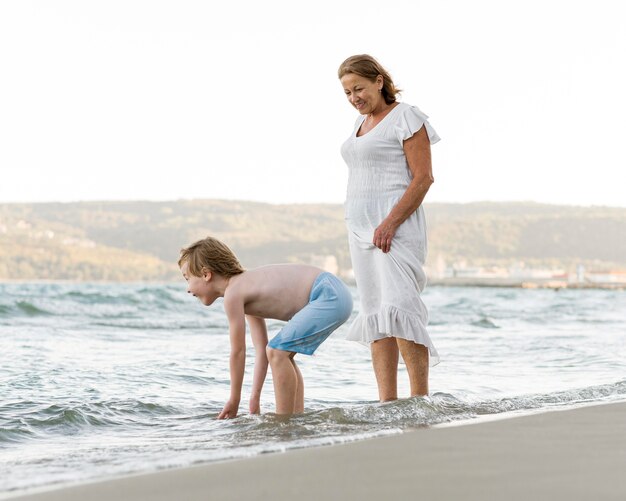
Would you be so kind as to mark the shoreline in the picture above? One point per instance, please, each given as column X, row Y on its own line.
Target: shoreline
column 574, row 454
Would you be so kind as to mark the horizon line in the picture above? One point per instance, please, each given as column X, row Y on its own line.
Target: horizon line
column 262, row 202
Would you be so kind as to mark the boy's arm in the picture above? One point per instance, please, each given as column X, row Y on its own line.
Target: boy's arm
column 258, row 332
column 233, row 307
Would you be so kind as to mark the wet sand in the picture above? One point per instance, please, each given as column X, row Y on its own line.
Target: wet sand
column 577, row 454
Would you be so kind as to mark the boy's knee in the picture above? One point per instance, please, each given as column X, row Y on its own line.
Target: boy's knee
column 274, row 355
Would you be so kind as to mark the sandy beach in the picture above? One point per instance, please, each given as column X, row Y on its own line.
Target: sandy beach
column 577, row 454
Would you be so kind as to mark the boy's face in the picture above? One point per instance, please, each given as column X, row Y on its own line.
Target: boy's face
column 199, row 286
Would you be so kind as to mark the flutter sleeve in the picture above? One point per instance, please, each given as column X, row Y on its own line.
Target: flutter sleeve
column 410, row 121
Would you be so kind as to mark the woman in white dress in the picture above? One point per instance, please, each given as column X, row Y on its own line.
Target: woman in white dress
column 390, row 172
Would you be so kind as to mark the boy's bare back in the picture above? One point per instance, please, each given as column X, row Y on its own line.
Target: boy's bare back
column 276, row 291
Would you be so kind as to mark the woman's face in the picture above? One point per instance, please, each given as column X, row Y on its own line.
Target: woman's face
column 362, row 93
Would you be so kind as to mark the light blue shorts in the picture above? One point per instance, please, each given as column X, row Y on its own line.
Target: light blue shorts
column 330, row 305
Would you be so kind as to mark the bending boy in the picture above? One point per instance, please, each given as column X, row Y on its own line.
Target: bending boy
column 312, row 302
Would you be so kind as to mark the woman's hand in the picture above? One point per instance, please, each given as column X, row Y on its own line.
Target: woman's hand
column 383, row 235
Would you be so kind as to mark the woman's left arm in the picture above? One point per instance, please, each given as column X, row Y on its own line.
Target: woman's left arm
column 417, row 152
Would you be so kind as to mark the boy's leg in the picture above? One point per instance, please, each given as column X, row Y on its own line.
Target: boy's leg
column 415, row 357
column 330, row 305
column 285, row 378
column 299, row 405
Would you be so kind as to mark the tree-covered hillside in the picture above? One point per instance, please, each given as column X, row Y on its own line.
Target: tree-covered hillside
column 141, row 240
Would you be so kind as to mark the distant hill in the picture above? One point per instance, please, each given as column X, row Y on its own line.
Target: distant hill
column 131, row 241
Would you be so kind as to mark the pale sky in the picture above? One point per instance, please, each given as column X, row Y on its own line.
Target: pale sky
column 165, row 100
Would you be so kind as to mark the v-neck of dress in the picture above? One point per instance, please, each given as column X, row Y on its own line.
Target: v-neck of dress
column 356, row 134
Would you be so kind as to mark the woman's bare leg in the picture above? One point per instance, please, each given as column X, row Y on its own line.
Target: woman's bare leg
column 385, row 362
column 415, row 357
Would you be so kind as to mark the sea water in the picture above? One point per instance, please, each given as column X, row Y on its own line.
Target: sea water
column 100, row 380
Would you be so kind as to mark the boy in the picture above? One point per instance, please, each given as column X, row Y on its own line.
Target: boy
column 312, row 302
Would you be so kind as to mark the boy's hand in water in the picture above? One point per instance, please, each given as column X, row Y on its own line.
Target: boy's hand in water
column 230, row 410
column 255, row 405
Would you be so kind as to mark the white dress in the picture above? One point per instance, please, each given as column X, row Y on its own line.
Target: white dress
column 389, row 284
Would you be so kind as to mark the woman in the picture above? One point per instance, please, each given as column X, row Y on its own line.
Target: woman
column 388, row 156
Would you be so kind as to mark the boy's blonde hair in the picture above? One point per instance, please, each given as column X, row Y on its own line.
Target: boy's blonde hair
column 211, row 254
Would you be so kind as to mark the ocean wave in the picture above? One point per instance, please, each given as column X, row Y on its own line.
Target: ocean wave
column 33, row 420
column 15, row 434
column 100, row 297
column 157, row 296
column 92, row 300
column 134, row 323
column 485, row 323
column 23, row 308
column 30, row 309
column 169, row 294
column 443, row 407
column 268, row 431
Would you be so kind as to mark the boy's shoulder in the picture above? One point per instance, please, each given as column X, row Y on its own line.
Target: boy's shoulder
column 236, row 290
column 243, row 286
column 234, row 303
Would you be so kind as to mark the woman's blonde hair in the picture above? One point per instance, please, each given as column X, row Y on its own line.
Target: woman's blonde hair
column 211, row 254
column 366, row 66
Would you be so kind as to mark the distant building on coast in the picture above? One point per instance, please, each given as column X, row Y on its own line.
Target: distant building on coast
column 613, row 277
column 521, row 275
